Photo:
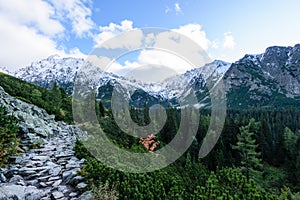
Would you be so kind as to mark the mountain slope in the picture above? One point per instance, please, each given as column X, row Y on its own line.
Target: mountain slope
column 54, row 101
column 271, row 79
column 63, row 71
column 53, row 69
column 267, row 80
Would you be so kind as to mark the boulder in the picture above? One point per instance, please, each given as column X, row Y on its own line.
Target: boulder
column 18, row 192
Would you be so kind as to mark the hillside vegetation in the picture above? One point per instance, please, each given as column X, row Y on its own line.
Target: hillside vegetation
column 54, row 101
column 256, row 157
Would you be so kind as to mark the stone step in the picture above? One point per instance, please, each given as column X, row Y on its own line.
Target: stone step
column 49, row 169
column 46, row 171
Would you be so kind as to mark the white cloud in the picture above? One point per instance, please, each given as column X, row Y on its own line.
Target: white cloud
column 177, row 8
column 177, row 48
column 122, row 70
column 228, row 41
column 32, row 13
column 150, row 66
column 99, row 61
column 130, row 40
column 162, row 58
column 168, row 63
column 75, row 53
column 78, row 12
column 107, row 32
column 28, row 32
column 215, row 44
column 21, row 45
column 109, row 65
column 195, row 32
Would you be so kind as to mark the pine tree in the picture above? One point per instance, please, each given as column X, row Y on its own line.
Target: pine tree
column 246, row 145
column 101, row 109
column 298, row 167
column 265, row 141
column 146, row 114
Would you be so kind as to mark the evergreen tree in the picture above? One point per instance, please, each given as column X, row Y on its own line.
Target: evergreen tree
column 265, row 141
column 291, row 153
column 101, row 109
column 298, row 168
column 146, row 114
column 246, row 145
column 290, row 140
column 279, row 140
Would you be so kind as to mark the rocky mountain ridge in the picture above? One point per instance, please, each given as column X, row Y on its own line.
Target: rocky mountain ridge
column 265, row 78
column 262, row 80
column 64, row 72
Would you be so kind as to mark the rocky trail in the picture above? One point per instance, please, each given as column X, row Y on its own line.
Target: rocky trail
column 48, row 171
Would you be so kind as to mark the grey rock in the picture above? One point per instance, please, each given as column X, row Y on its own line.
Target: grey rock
column 86, row 196
column 3, row 179
column 16, row 178
column 41, row 158
column 50, row 183
column 45, row 172
column 44, row 178
column 76, row 179
column 55, row 171
column 54, row 178
column 11, row 191
column 27, row 172
column 43, row 184
column 63, row 188
column 57, row 195
column 56, row 183
column 64, row 155
column 41, row 132
column 68, row 175
column 81, row 186
column 73, row 194
column 32, row 182
column 15, row 160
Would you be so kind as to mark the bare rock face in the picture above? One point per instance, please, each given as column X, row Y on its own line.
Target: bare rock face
column 270, row 79
column 49, row 171
column 265, row 78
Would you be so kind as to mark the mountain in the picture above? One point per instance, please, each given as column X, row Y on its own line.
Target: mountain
column 266, row 80
column 270, row 79
column 4, row 70
column 53, row 69
column 64, row 70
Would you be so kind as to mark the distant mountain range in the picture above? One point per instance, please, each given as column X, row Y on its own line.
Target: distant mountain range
column 267, row 80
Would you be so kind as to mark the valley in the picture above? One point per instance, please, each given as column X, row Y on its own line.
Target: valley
column 256, row 157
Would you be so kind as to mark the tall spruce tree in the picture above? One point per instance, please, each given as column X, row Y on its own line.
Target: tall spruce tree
column 246, row 145
column 265, row 141
column 101, row 109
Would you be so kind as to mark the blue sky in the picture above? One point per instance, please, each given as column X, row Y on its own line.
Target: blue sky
column 31, row 30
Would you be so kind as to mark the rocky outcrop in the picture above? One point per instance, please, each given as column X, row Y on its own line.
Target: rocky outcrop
column 35, row 124
column 269, row 79
column 50, row 171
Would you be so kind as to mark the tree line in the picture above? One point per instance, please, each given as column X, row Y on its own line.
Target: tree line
column 256, row 157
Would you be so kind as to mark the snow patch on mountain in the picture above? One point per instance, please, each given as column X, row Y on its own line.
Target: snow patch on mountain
column 63, row 71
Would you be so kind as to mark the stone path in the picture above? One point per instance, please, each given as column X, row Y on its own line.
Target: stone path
column 49, row 172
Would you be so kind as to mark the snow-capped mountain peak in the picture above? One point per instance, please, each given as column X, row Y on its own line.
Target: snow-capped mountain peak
column 63, row 71
column 53, row 69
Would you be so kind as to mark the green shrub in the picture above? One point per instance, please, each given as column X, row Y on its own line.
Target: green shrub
column 8, row 135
